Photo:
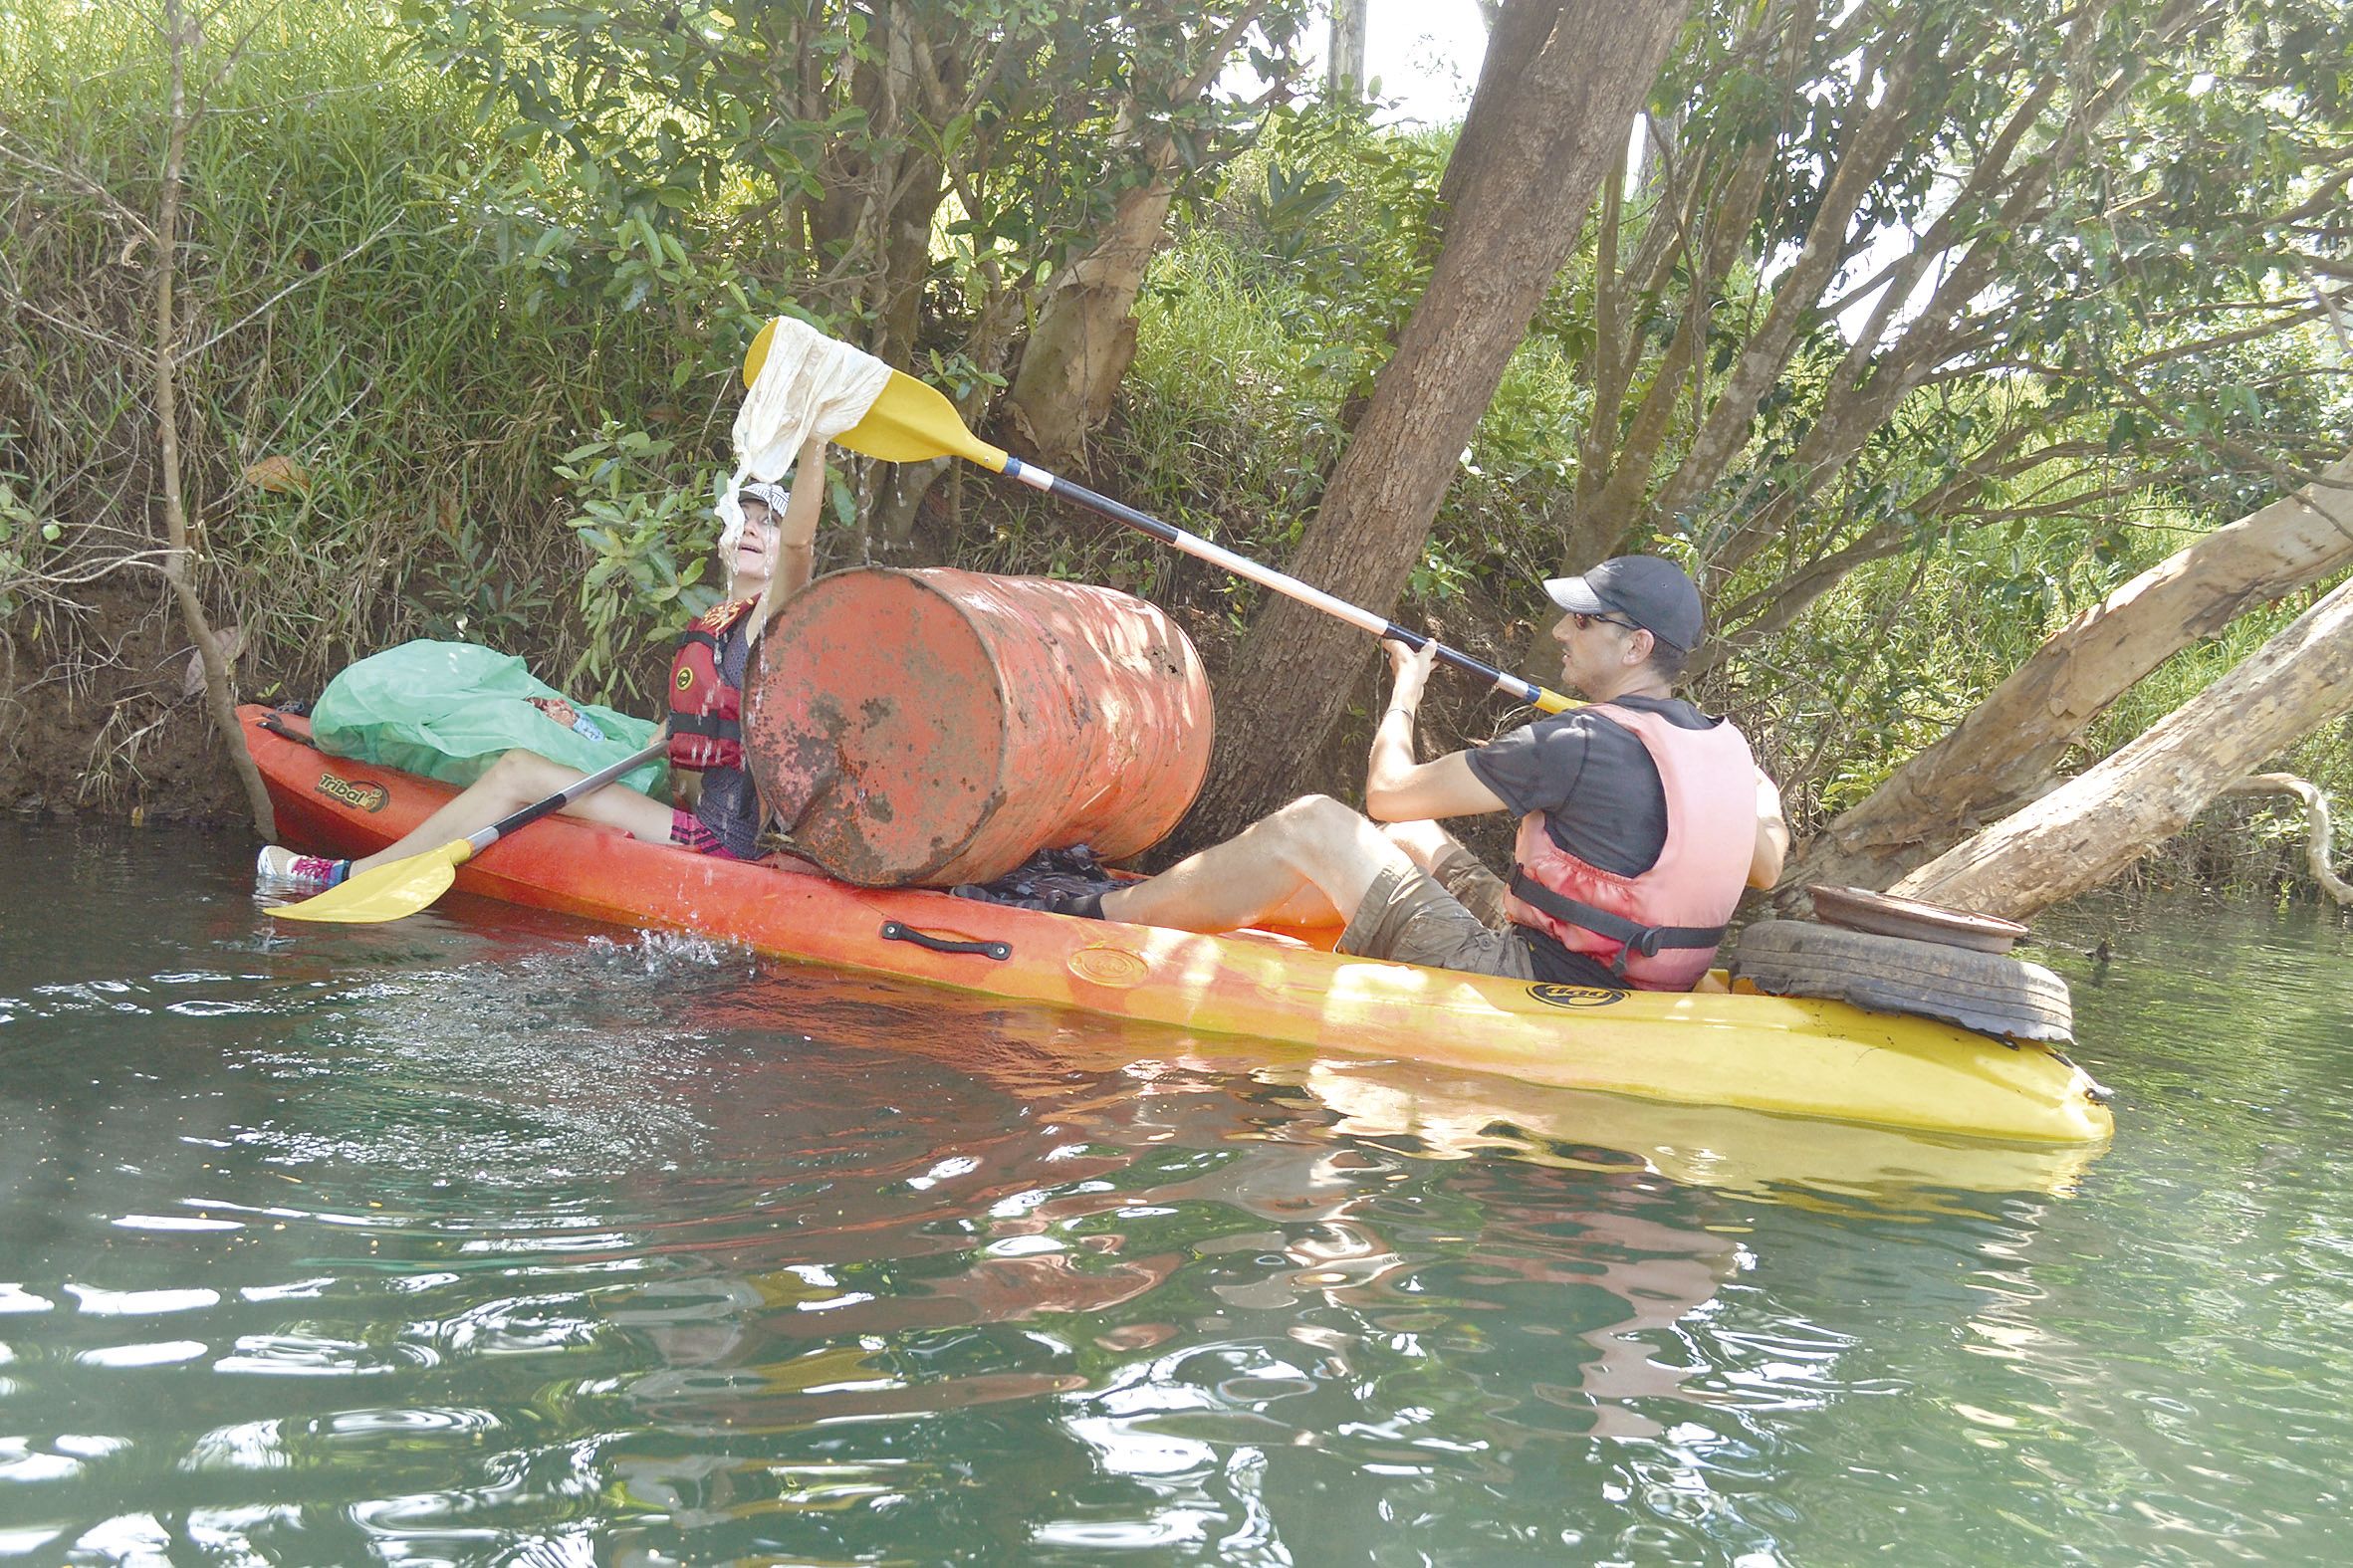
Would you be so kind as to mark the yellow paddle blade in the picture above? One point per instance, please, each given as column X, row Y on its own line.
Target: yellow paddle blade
column 757, row 356
column 388, row 892
column 909, row 423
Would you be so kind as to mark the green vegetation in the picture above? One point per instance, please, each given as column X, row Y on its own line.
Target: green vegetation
column 356, row 323
column 463, row 347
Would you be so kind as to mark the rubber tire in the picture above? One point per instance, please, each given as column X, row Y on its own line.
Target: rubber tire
column 1988, row 992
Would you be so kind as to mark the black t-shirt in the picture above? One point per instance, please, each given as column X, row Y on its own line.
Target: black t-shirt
column 1602, row 800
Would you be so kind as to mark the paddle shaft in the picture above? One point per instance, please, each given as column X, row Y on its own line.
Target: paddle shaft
column 910, row 421
column 477, row 842
column 1200, row 548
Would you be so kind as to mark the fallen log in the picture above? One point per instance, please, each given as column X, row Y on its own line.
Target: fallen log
column 2005, row 753
column 2093, row 827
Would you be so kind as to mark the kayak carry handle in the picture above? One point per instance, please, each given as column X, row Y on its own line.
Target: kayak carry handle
column 894, row 931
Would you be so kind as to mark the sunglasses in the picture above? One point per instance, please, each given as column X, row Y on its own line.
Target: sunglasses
column 1585, row 621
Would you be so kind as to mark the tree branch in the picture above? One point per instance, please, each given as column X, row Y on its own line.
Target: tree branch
column 2318, row 854
column 180, row 35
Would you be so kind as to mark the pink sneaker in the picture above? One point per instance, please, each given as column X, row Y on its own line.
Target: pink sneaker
column 282, row 871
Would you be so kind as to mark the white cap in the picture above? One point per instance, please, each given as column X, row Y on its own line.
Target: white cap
column 731, row 509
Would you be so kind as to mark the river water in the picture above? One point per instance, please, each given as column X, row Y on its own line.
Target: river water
column 496, row 1237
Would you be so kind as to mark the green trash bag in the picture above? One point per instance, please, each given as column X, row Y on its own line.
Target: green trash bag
column 447, row 708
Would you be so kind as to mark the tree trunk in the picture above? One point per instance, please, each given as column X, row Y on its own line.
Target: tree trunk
column 1610, row 514
column 1085, row 339
column 909, row 183
column 2006, row 748
column 1344, row 74
column 1765, row 357
column 1563, row 79
column 2100, row 822
column 1699, row 223
column 882, row 189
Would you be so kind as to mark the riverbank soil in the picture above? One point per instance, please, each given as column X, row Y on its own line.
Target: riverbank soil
column 98, row 715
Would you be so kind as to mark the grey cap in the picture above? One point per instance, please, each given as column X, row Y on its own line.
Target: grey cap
column 772, row 496
column 1649, row 590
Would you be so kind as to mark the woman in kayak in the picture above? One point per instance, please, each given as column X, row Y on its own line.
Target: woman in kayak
column 769, row 558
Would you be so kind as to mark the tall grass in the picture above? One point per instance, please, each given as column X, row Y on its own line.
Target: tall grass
column 353, row 322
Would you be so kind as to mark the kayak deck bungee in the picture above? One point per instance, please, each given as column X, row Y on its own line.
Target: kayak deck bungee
column 1790, row 1055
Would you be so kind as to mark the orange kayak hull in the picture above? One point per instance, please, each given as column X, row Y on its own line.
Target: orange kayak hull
column 1786, row 1055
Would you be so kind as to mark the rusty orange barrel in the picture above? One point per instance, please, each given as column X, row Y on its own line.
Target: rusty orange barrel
column 937, row 727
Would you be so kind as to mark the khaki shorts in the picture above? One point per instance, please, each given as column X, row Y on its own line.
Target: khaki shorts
column 1451, row 917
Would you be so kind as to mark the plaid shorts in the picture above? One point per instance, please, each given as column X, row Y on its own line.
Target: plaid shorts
column 688, row 832
column 1451, row 917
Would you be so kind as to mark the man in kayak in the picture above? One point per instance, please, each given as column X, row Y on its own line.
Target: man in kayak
column 1641, row 818
column 767, row 560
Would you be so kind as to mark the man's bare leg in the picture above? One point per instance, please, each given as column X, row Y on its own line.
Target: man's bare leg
column 1307, row 865
column 1423, row 843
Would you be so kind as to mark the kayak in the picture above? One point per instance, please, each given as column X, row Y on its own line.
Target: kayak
column 1429, row 1111
column 1792, row 1056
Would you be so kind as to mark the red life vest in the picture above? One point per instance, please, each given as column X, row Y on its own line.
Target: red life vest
column 1659, row 930
column 706, row 714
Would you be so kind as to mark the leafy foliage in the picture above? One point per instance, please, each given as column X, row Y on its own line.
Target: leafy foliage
column 469, row 598
column 887, row 167
column 2117, row 215
column 24, row 533
column 486, row 280
column 649, row 539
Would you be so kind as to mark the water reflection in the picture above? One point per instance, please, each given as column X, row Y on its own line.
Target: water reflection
column 497, row 1241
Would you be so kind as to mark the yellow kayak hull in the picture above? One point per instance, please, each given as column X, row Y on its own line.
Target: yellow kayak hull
column 1788, row 1057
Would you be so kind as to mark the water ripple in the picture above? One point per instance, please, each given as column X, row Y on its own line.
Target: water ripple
column 487, row 1239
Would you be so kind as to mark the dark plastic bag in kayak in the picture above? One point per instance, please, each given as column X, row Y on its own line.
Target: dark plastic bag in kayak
column 448, row 709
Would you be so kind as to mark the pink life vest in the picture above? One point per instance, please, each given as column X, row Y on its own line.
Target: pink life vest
column 1660, row 930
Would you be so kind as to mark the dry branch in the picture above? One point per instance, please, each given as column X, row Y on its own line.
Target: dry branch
column 181, row 33
column 2319, row 852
